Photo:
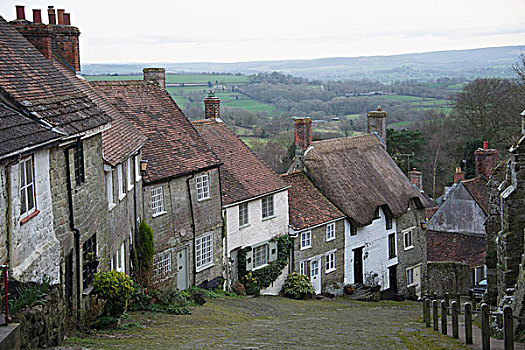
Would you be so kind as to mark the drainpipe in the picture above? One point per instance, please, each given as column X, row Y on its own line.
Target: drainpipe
column 192, row 229
column 76, row 231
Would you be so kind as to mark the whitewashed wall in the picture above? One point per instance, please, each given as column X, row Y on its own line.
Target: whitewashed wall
column 374, row 240
column 259, row 230
column 34, row 249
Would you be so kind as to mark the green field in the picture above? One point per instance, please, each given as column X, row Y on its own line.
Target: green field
column 179, row 78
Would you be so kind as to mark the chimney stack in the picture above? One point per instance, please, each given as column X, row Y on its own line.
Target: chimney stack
column 65, row 41
column 486, row 159
column 20, row 13
column 37, row 16
column 416, row 177
column 459, row 176
column 303, row 134
column 51, row 15
column 156, row 75
column 212, row 106
column 376, row 121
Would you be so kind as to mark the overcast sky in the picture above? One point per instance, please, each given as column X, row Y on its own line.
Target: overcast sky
column 247, row 30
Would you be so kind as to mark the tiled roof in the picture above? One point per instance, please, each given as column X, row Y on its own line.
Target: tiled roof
column 451, row 246
column 477, row 187
column 306, row 204
column 18, row 131
column 358, row 175
column 173, row 147
column 30, row 81
column 243, row 174
column 119, row 141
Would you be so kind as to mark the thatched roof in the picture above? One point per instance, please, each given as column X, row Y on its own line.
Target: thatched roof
column 358, row 175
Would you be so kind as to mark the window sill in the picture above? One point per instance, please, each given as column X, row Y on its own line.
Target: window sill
column 410, row 247
column 130, row 187
column 205, row 267
column 158, row 214
column 203, row 199
column 138, row 178
column 259, row 267
column 307, row 247
column 244, row 226
column 331, row 270
column 392, row 257
column 111, row 206
column 121, row 196
column 87, row 291
column 268, row 218
column 29, row 217
column 330, row 239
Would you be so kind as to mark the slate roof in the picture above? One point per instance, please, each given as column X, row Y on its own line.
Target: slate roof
column 18, row 131
column 31, row 82
column 477, row 187
column 358, row 175
column 243, row 174
column 173, row 147
column 452, row 246
column 306, row 204
column 119, row 141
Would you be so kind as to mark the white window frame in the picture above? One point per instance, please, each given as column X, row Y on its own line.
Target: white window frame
column 129, row 169
column 109, row 189
column 306, row 240
column 408, row 237
column 267, row 207
column 410, row 276
column 202, row 183
column 263, row 258
column 27, row 189
column 204, row 251
column 161, row 265
column 330, row 232
column 330, row 262
column 138, row 176
column 157, row 202
column 244, row 215
column 122, row 258
column 302, row 267
column 120, row 182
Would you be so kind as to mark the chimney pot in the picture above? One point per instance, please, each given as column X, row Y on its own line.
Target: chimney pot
column 51, row 15
column 485, row 145
column 20, row 12
column 60, row 16
column 37, row 16
column 67, row 19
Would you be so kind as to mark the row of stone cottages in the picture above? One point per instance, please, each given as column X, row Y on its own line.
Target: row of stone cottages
column 82, row 163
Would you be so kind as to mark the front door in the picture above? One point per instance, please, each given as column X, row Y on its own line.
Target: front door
column 358, row 265
column 315, row 275
column 182, row 269
column 234, row 270
column 392, row 278
column 417, row 280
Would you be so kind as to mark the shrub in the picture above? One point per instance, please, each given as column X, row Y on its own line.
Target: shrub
column 297, row 286
column 145, row 250
column 115, row 288
column 169, row 301
column 26, row 295
column 238, row 288
column 251, row 284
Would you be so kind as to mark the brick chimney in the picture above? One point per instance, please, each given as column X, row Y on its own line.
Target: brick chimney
column 212, row 106
column 302, row 133
column 416, row 177
column 156, row 75
column 376, row 121
column 61, row 38
column 459, row 176
column 486, row 159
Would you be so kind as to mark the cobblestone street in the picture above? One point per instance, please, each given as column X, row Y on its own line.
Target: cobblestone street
column 277, row 323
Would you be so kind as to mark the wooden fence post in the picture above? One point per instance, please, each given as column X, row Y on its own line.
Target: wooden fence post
column 435, row 296
column 485, row 330
column 455, row 326
column 427, row 303
column 447, row 301
column 444, row 311
column 473, row 301
column 458, row 300
column 424, row 310
column 468, row 323
column 435, row 314
column 508, row 328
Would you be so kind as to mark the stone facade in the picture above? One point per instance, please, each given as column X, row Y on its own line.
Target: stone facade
column 332, row 281
column 3, row 214
column 448, row 277
column 173, row 229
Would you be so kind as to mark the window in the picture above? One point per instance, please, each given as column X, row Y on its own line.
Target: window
column 388, row 220
column 410, row 276
column 353, row 229
column 89, row 260
column 203, row 187
column 260, row 255
column 27, row 187
column 330, row 262
column 408, row 239
column 161, row 265
column 377, row 214
column 302, row 268
column 243, row 214
column 330, row 231
column 306, row 241
column 204, row 251
column 157, row 202
column 267, row 207
column 80, row 176
column 392, row 246
column 122, row 264
column 128, row 174
column 137, row 168
column 109, row 189
column 120, row 183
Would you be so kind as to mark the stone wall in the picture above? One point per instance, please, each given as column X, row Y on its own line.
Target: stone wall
column 3, row 214
column 448, row 277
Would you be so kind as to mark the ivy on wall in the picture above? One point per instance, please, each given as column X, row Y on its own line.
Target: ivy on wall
column 256, row 280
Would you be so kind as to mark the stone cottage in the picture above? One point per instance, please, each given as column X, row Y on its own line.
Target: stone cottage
column 384, row 241
column 181, row 186
column 317, row 228
column 254, row 197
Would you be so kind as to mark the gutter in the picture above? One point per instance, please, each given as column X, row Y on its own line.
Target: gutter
column 192, row 172
column 256, row 197
column 192, row 229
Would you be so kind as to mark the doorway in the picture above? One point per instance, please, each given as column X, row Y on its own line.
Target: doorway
column 182, row 269
column 358, row 265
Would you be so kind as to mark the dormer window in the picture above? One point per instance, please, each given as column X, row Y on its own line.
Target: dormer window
column 377, row 215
